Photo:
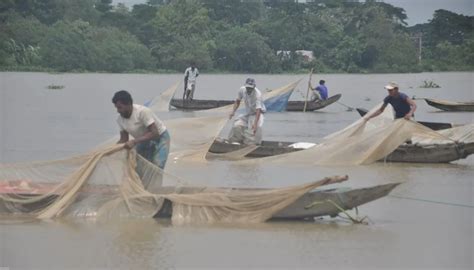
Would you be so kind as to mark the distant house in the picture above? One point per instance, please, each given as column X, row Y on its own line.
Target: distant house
column 307, row 55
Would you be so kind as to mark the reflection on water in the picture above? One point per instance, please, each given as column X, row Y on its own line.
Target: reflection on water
column 404, row 233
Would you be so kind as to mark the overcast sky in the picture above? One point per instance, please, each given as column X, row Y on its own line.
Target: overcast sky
column 418, row 11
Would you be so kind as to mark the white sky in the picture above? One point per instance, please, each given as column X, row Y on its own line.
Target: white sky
column 418, row 11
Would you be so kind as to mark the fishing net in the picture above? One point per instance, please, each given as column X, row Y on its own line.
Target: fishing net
column 110, row 182
column 366, row 142
column 275, row 99
column 115, row 183
column 161, row 103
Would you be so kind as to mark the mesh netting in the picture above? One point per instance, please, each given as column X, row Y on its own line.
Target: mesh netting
column 111, row 182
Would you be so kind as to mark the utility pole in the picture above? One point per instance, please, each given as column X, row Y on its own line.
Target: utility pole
column 420, row 35
column 418, row 39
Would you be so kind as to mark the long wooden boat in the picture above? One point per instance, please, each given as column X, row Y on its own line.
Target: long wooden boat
column 316, row 203
column 451, row 106
column 298, row 106
column 293, row 106
column 416, row 153
column 432, row 125
column 322, row 202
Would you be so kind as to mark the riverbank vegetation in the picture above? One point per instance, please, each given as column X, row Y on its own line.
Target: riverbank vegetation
column 260, row 36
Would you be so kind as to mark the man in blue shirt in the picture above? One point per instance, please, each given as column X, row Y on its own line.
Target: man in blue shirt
column 403, row 105
column 320, row 92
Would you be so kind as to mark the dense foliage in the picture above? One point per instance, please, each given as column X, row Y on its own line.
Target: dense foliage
column 256, row 36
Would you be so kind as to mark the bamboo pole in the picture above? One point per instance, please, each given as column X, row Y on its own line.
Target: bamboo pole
column 307, row 91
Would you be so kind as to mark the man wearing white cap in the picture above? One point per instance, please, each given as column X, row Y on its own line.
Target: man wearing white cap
column 403, row 105
column 252, row 119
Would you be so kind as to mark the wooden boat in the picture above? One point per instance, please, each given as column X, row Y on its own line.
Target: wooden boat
column 345, row 198
column 433, row 153
column 451, row 106
column 432, row 125
column 298, row 106
column 293, row 106
column 317, row 203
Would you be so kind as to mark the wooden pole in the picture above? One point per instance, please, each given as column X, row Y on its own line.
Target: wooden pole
column 307, row 91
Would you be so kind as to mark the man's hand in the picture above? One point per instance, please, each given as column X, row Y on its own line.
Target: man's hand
column 130, row 144
column 408, row 116
column 254, row 128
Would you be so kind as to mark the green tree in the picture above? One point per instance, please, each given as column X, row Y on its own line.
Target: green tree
column 180, row 33
column 451, row 27
column 79, row 46
column 241, row 50
column 234, row 12
column 104, row 5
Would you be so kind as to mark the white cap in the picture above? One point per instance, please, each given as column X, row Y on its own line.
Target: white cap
column 391, row 86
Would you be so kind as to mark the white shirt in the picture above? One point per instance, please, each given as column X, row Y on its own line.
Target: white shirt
column 253, row 101
column 141, row 118
column 192, row 75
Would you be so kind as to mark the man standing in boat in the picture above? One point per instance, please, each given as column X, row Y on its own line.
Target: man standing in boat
column 403, row 106
column 320, row 91
column 150, row 136
column 247, row 127
column 190, row 75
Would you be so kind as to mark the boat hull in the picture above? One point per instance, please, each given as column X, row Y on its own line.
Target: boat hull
column 460, row 107
column 434, row 153
column 432, row 125
column 293, row 106
column 325, row 201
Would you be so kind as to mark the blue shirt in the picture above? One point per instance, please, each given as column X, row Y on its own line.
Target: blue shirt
column 399, row 104
column 323, row 91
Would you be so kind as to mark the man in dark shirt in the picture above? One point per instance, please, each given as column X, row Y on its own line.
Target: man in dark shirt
column 403, row 105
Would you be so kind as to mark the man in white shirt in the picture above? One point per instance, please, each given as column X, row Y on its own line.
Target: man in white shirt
column 190, row 75
column 247, row 127
column 150, row 136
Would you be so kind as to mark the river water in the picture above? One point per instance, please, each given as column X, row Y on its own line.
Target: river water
column 427, row 223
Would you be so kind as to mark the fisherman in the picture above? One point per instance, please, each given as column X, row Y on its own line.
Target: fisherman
column 247, row 127
column 150, row 136
column 403, row 105
column 320, row 91
column 190, row 75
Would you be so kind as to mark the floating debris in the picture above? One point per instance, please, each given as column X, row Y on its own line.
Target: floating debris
column 55, row 87
column 429, row 84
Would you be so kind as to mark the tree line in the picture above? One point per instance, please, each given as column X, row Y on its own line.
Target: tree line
column 250, row 36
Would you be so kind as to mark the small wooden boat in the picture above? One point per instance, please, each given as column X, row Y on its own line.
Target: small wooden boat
column 451, row 106
column 293, row 106
column 416, row 153
column 298, row 106
column 432, row 125
column 316, row 203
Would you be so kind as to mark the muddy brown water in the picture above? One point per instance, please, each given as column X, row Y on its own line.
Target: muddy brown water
column 426, row 223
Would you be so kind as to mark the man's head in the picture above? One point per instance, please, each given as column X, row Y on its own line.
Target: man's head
column 392, row 88
column 250, row 85
column 322, row 81
column 124, row 103
column 193, row 65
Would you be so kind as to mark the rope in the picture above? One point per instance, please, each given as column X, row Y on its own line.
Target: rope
column 342, row 210
column 431, row 201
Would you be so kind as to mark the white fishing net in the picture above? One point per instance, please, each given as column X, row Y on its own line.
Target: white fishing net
column 161, row 103
column 366, row 142
column 110, row 182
